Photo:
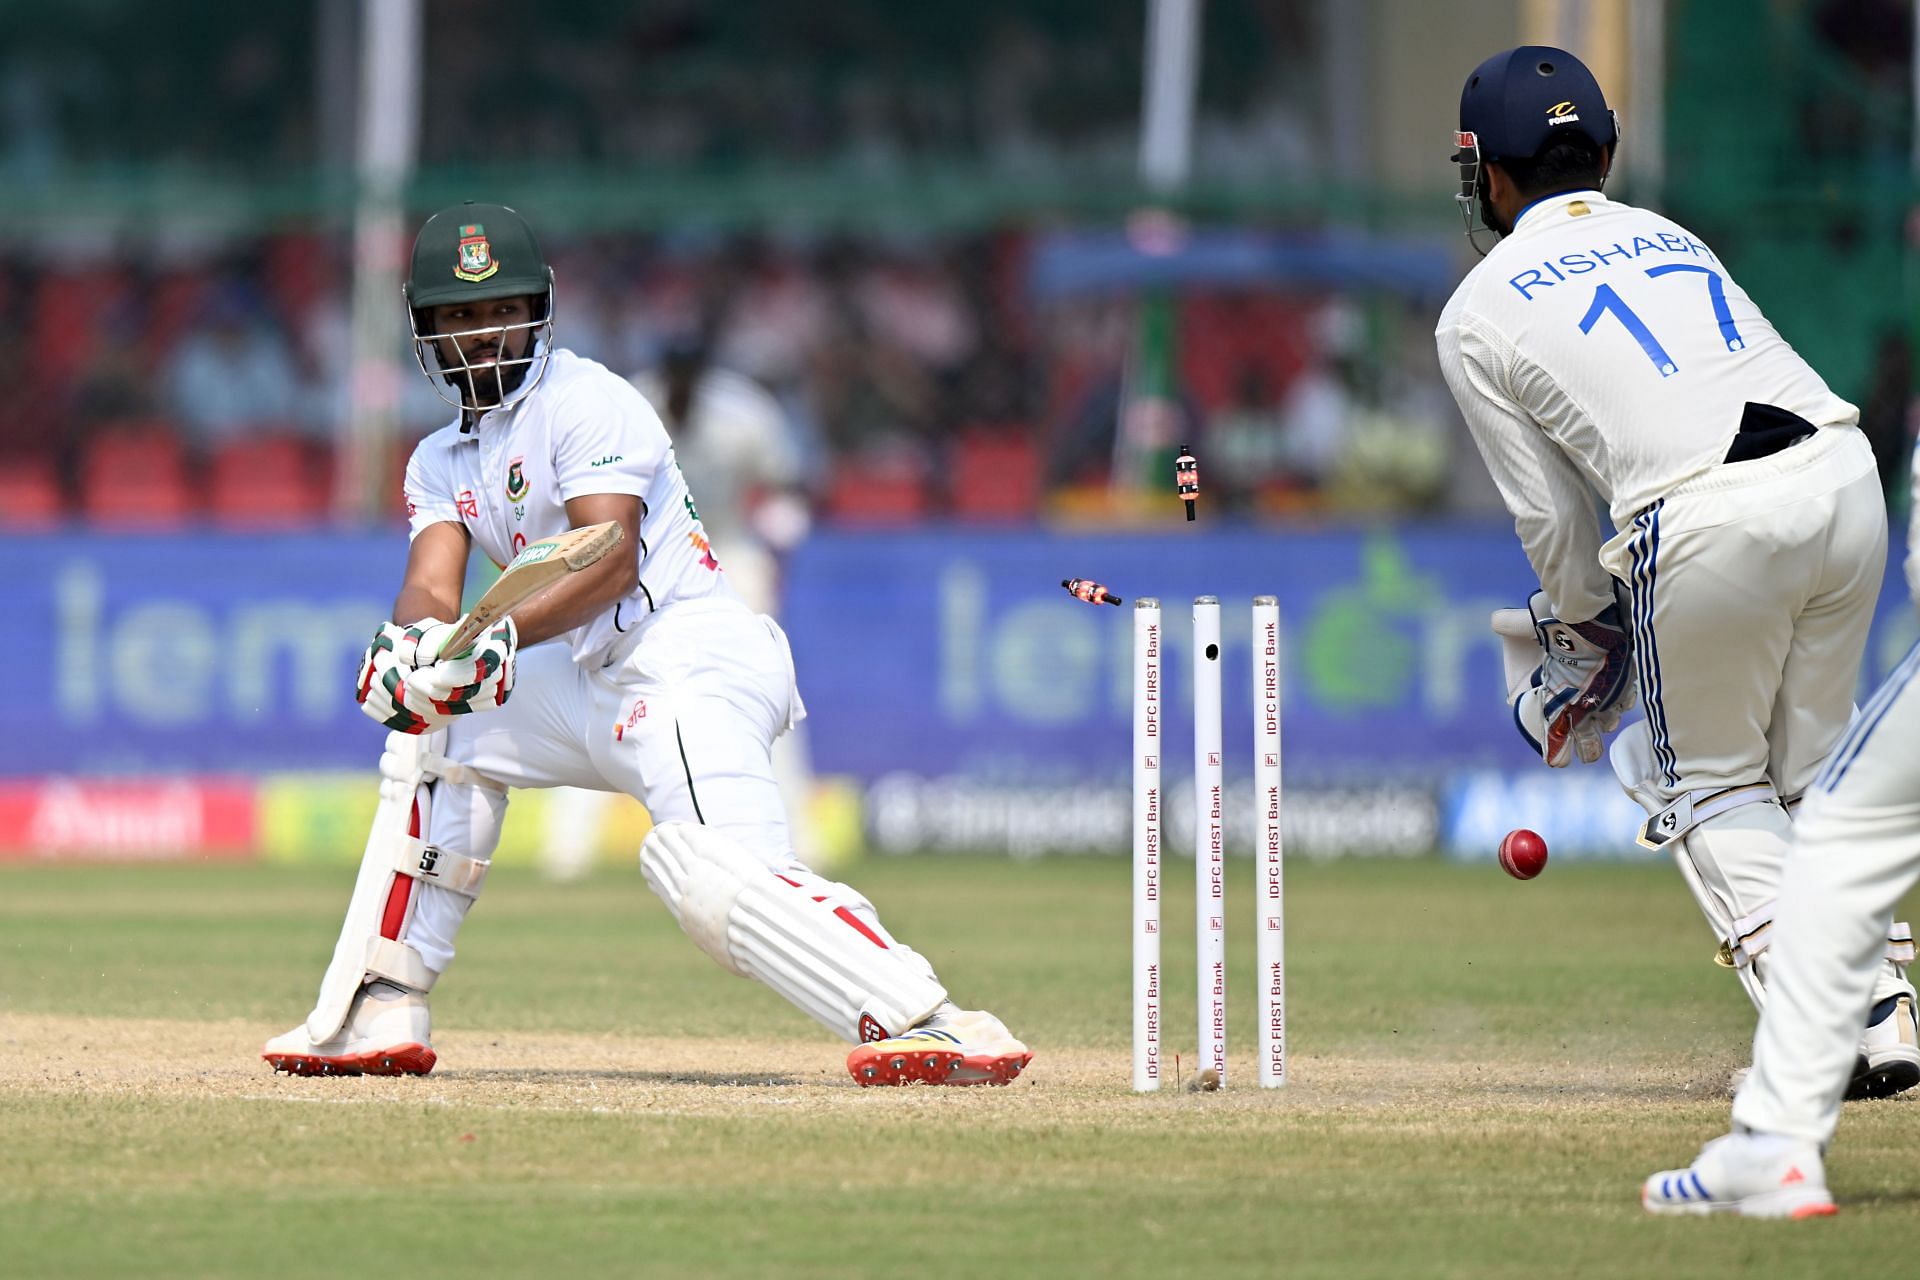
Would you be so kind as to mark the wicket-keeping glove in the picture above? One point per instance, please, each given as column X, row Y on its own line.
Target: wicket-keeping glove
column 1583, row 684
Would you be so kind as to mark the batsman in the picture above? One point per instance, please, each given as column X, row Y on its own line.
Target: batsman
column 641, row 673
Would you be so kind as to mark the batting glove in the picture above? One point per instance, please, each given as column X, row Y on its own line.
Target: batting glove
column 403, row 686
column 477, row 680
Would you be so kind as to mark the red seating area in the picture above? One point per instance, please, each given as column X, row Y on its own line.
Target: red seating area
column 994, row 474
column 991, row 474
column 139, row 475
column 33, row 493
column 271, row 481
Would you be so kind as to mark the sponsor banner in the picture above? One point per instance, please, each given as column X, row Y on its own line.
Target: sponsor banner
column 324, row 818
column 191, row 653
column 946, row 662
column 1580, row 811
column 153, row 819
column 950, row 654
column 910, row 814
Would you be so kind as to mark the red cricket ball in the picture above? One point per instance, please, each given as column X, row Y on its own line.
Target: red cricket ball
column 1523, row 854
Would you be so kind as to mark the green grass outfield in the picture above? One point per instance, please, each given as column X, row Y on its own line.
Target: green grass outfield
column 1483, row 1070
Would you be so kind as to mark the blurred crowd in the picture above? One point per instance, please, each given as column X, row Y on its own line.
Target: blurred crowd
column 917, row 372
column 859, row 86
column 915, row 378
column 197, row 359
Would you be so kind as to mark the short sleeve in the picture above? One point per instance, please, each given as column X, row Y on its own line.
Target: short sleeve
column 429, row 488
column 606, row 439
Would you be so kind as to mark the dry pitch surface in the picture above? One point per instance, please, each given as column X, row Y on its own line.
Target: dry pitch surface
column 1482, row 1072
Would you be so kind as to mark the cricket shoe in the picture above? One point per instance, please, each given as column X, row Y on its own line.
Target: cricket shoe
column 1889, row 1057
column 1753, row 1175
column 387, row 1033
column 954, row 1046
column 1889, row 1060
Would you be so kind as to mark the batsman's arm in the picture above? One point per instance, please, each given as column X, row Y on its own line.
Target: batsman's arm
column 583, row 596
column 436, row 572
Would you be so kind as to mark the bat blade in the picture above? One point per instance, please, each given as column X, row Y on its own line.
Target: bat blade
column 538, row 566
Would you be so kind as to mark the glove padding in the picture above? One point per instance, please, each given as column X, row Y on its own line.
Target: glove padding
column 404, row 687
column 415, row 645
column 479, row 679
column 1581, row 688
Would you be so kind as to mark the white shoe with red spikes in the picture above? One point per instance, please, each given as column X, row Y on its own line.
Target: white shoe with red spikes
column 953, row 1047
column 388, row 1032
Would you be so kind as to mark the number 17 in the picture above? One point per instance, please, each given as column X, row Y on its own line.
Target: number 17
column 1605, row 300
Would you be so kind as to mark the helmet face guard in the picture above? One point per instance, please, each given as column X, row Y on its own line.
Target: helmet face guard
column 1472, row 195
column 1466, row 154
column 493, row 384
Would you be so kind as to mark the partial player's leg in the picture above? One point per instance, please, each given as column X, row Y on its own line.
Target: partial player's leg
column 442, row 799
column 1698, row 763
column 1786, row 580
column 698, row 720
column 1816, row 690
column 755, row 574
column 419, row 873
column 1857, row 852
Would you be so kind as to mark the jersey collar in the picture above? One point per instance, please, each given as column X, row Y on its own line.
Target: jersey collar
column 470, row 422
column 1559, row 199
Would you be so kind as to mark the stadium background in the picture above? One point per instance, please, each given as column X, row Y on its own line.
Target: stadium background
column 927, row 232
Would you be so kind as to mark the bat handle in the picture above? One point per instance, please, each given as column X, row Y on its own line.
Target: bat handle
column 465, row 632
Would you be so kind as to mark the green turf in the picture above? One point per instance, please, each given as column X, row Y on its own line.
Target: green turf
column 1557, row 1039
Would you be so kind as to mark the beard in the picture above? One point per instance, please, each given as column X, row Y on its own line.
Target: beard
column 1489, row 216
column 486, row 386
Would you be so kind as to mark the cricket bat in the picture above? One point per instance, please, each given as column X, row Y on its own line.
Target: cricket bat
column 538, row 566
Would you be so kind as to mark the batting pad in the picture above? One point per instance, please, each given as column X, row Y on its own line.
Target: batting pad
column 371, row 938
column 1730, row 845
column 761, row 924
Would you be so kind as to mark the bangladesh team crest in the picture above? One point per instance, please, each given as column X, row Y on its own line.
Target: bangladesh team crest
column 476, row 261
column 517, row 486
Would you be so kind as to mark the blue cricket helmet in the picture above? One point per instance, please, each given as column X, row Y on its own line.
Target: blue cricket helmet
column 1515, row 103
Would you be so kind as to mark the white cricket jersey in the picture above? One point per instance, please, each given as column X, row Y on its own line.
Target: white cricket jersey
column 1603, row 345
column 1913, row 533
column 583, row 430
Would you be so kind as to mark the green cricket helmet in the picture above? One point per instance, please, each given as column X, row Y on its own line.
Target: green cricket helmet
column 477, row 253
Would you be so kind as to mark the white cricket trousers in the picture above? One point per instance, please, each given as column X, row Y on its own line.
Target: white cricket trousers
column 684, row 723
column 1753, row 587
column 1856, row 854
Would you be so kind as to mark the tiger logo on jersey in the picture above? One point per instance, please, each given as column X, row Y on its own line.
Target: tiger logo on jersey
column 476, row 261
column 517, row 486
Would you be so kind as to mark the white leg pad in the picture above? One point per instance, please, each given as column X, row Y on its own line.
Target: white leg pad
column 1729, row 845
column 409, row 763
column 760, row 924
column 1729, row 855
